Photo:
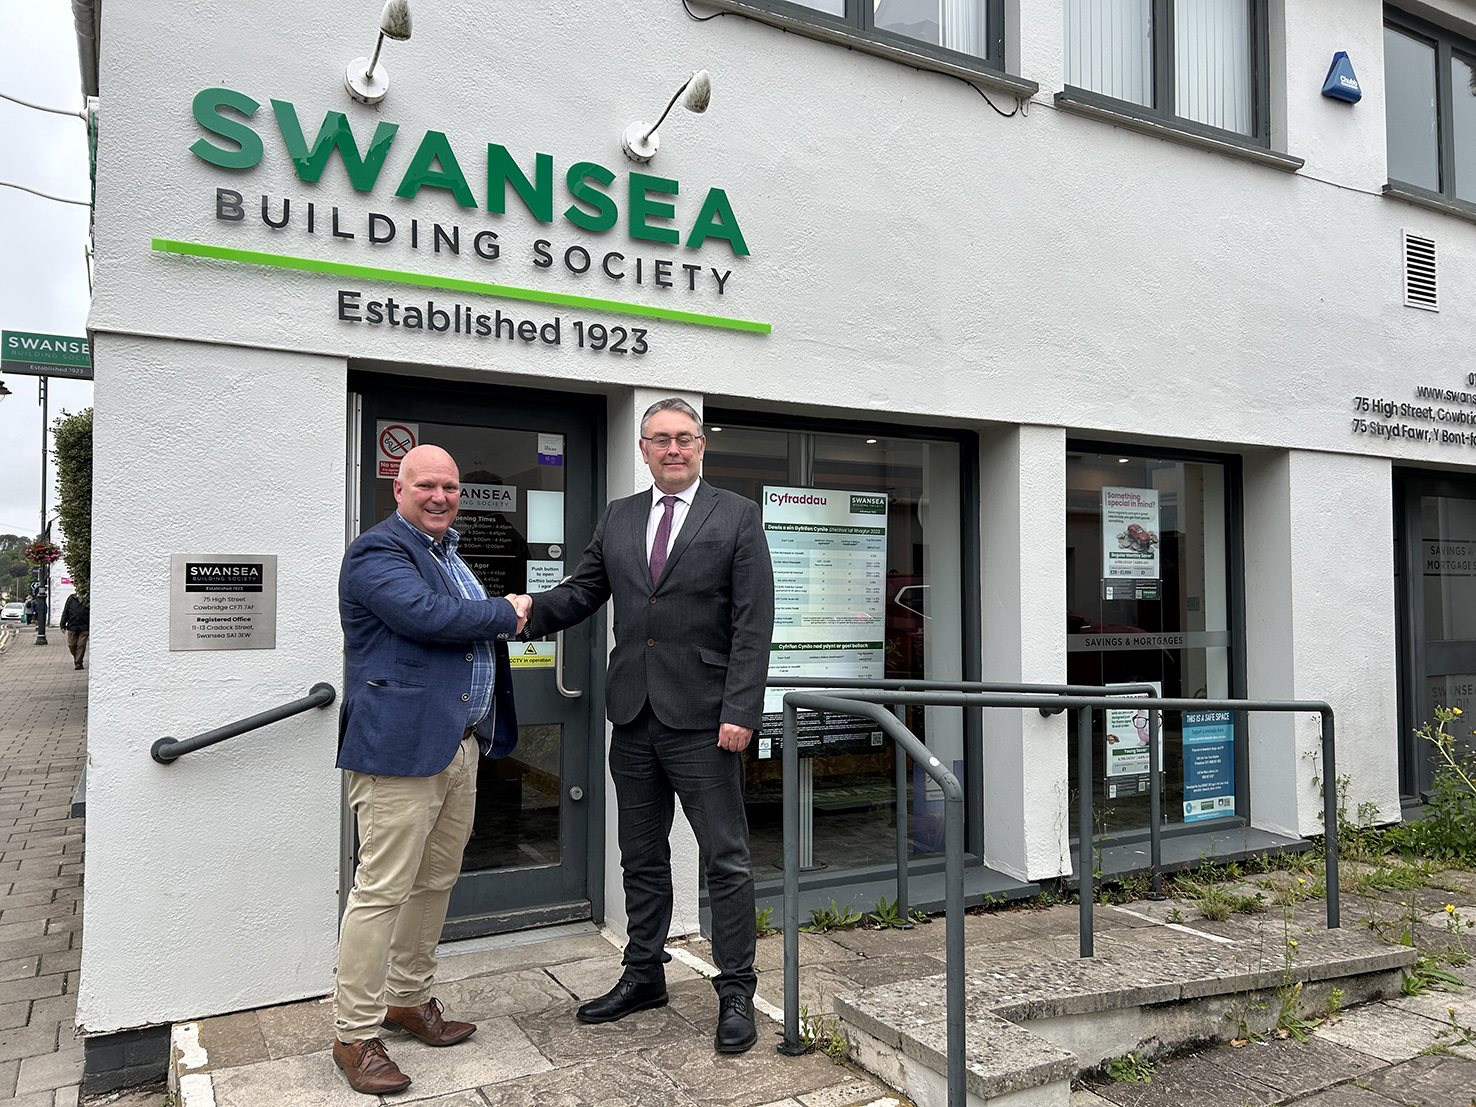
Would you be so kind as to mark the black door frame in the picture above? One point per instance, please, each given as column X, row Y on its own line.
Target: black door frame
column 455, row 393
column 1414, row 661
column 1235, row 608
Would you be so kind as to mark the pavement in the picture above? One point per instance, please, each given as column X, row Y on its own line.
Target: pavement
column 522, row 989
column 43, row 721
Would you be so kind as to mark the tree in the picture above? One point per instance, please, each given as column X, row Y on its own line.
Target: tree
column 73, row 453
column 13, row 568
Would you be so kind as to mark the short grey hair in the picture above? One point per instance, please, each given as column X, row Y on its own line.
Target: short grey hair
column 672, row 403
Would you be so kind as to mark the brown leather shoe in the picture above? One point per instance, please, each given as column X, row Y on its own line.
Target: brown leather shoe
column 368, row 1067
column 426, row 1023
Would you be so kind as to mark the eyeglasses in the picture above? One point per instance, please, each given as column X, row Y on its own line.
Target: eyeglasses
column 684, row 442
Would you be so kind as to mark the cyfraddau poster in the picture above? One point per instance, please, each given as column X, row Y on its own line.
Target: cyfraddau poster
column 829, row 551
column 1130, row 533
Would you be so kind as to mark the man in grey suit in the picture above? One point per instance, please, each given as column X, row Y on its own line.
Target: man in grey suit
column 688, row 567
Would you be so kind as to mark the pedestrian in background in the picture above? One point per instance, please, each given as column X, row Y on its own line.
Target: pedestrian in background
column 74, row 620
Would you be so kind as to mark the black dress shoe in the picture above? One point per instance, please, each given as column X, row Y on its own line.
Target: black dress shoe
column 735, row 1030
column 625, row 998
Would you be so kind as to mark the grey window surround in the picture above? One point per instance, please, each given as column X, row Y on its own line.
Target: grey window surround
column 1079, row 101
column 1446, row 43
column 1433, row 201
column 920, row 55
column 1163, row 80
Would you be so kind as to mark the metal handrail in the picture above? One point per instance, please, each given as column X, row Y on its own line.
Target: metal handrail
column 166, row 750
column 867, row 704
column 1046, row 710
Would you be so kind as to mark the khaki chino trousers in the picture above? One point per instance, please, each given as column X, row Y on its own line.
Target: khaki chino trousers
column 412, row 831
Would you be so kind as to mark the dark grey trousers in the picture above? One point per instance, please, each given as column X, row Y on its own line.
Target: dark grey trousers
column 652, row 763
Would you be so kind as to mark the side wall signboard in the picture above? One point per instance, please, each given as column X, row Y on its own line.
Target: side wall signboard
column 222, row 601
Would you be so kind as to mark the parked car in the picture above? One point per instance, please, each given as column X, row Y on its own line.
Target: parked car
column 13, row 611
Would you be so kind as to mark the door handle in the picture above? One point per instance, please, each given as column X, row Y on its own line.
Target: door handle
column 570, row 693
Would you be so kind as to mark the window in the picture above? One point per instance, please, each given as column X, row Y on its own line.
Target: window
column 866, row 534
column 968, row 33
column 1195, row 64
column 1430, row 110
column 1150, row 600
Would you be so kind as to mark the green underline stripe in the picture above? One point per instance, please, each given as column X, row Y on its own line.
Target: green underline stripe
column 454, row 284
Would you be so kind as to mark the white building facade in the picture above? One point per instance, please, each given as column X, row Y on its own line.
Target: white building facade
column 1155, row 358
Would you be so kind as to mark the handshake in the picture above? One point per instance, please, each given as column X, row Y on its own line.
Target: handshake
column 522, row 605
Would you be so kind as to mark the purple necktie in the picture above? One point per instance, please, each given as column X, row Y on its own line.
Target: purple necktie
column 663, row 539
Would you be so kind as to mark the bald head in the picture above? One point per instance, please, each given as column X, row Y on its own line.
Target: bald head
column 428, row 490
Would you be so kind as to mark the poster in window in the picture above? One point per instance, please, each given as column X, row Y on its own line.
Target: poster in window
column 829, row 552
column 1130, row 534
column 1127, row 736
column 1209, row 765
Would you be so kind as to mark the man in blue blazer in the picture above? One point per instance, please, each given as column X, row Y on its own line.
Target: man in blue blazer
column 427, row 687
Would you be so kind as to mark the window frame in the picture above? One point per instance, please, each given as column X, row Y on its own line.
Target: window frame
column 857, row 30
column 1446, row 43
column 971, row 586
column 1235, row 608
column 1165, row 86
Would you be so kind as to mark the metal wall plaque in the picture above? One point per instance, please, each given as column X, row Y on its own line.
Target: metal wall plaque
column 222, row 601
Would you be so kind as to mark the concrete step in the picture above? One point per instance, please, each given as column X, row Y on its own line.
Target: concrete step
column 1036, row 1017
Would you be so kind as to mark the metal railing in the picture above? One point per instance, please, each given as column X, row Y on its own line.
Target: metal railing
column 864, row 699
column 1047, row 709
column 166, row 750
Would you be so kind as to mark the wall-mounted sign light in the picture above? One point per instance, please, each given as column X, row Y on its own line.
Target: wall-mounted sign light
column 641, row 142
column 366, row 80
column 1341, row 84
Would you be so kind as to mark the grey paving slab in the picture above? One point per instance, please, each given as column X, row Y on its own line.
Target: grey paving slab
column 296, row 1028
column 310, row 1078
column 28, row 1041
column 1432, row 1081
column 849, row 1091
column 629, row 1081
column 740, row 1080
column 501, row 994
column 51, row 1070
column 1381, row 1031
column 452, row 965
column 818, row 988
column 1291, row 1067
column 566, row 1041
column 233, row 1040
column 814, row 949
column 504, row 1053
column 1347, row 1095
column 597, row 975
column 1192, row 1080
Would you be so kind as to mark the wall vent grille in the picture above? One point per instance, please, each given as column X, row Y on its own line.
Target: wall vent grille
column 1419, row 273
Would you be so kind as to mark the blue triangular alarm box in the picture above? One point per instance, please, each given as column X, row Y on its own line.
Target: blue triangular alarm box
column 1341, row 84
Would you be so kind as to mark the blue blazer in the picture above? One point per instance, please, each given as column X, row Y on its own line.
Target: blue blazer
column 408, row 659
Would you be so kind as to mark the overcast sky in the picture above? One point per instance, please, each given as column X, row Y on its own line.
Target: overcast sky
column 43, row 277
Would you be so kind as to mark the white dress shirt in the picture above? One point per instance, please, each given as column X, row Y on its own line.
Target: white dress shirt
column 678, row 515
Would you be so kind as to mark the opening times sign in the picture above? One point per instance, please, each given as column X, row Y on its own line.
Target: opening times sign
column 829, row 552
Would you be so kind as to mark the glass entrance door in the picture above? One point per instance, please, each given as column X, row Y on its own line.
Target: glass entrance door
column 1438, row 566
column 528, row 484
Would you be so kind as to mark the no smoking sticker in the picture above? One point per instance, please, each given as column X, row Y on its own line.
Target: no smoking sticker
column 395, row 440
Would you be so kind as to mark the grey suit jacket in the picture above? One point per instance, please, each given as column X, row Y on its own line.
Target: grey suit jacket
column 697, row 644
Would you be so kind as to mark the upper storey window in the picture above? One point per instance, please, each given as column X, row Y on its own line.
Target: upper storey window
column 1193, row 64
column 1430, row 110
